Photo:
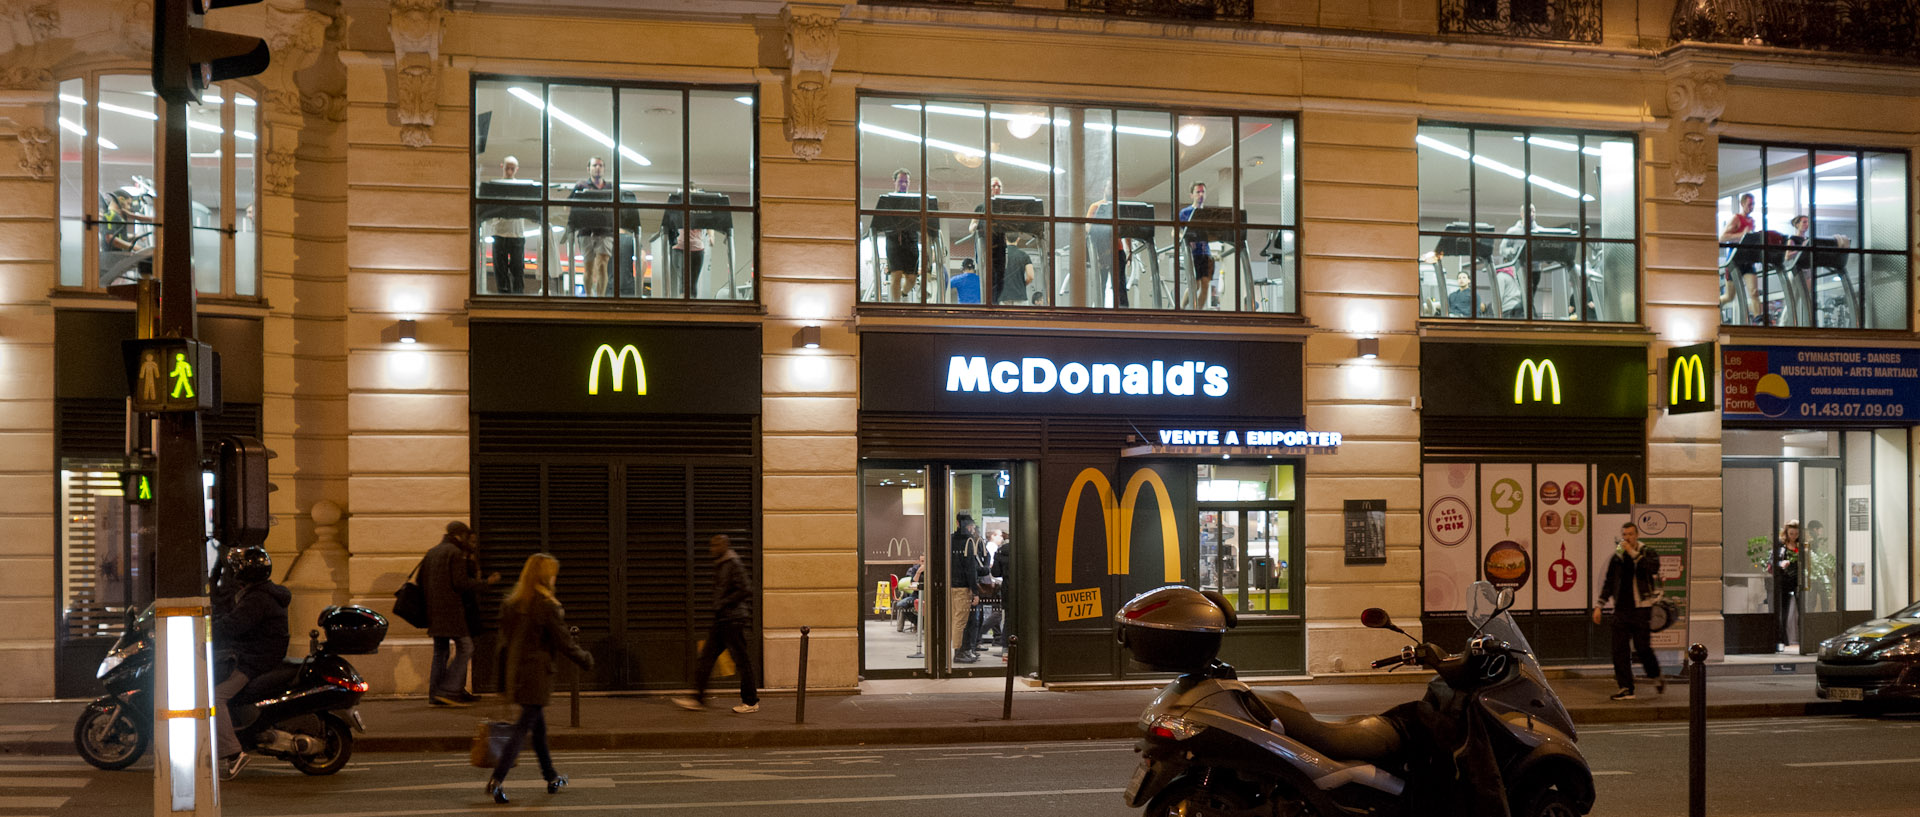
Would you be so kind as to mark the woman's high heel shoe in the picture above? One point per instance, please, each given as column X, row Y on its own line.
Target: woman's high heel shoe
column 497, row 788
column 558, row 782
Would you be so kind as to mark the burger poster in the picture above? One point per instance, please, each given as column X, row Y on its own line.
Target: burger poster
column 1450, row 536
column 1506, row 511
column 1562, row 519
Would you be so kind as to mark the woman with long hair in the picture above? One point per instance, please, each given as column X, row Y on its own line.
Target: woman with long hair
column 1785, row 567
column 533, row 631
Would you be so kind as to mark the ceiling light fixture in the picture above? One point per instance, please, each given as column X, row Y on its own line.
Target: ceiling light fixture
column 1191, row 133
column 1500, row 167
column 586, row 130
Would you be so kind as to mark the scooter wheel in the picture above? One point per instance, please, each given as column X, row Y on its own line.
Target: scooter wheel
column 336, row 740
column 1550, row 803
column 108, row 739
column 1187, row 798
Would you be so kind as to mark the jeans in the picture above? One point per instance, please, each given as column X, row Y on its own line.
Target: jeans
column 450, row 677
column 223, row 692
column 1632, row 627
column 533, row 721
column 509, row 264
column 732, row 637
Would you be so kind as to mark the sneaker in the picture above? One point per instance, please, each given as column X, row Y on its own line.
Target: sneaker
column 444, row 699
column 497, row 789
column 558, row 782
column 231, row 765
column 468, row 697
column 1624, row 694
column 746, row 709
column 965, row 658
column 1659, row 684
column 689, row 704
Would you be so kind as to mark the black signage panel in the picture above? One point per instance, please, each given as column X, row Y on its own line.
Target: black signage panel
column 614, row 368
column 1023, row 374
column 1532, row 380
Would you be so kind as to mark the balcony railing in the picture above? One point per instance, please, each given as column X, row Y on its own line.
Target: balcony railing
column 1567, row 20
column 1169, row 9
column 1885, row 28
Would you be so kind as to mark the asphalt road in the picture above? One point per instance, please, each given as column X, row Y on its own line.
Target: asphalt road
column 1794, row 767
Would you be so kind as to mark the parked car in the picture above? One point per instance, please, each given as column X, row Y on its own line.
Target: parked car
column 1873, row 661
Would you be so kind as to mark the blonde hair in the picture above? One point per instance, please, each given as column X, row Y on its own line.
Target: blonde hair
column 536, row 581
column 1795, row 525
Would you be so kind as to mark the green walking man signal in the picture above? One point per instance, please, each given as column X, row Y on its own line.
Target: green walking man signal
column 172, row 374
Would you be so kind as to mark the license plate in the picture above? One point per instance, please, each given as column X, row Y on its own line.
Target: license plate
column 1846, row 693
column 1139, row 777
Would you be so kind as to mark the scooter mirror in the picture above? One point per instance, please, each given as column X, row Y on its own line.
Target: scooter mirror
column 1506, row 598
column 1375, row 618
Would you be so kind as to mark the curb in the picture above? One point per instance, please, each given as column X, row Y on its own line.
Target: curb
column 793, row 735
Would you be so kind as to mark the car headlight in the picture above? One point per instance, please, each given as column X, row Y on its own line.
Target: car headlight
column 1903, row 649
column 1172, row 728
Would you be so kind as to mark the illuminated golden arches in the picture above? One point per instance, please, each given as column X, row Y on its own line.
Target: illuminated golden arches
column 1063, row 558
column 1540, row 371
column 1118, row 538
column 619, row 360
column 1687, row 371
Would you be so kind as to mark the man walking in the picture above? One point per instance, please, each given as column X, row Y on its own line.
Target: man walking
column 1633, row 584
column 450, row 574
column 732, row 592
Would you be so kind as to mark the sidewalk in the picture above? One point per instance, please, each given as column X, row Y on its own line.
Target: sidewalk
column 961, row 711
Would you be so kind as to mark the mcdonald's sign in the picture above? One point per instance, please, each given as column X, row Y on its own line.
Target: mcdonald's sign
column 1542, row 373
column 1690, row 378
column 1118, row 522
column 619, row 361
column 1616, row 492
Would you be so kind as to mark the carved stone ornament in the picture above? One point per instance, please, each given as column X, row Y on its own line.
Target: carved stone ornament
column 35, row 157
column 416, row 28
column 40, row 21
column 812, row 43
column 1694, row 100
column 277, row 173
column 25, row 78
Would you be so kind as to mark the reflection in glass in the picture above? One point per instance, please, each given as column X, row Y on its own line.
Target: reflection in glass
column 894, row 568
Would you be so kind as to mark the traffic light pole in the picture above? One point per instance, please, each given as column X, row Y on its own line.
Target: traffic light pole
column 184, row 779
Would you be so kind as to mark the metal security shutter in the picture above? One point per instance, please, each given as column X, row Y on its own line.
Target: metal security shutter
column 660, row 559
column 1530, row 439
column 578, row 507
column 653, row 437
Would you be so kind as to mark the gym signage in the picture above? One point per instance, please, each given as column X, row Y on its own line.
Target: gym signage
column 1532, row 380
column 1821, row 385
column 1073, row 374
column 609, row 368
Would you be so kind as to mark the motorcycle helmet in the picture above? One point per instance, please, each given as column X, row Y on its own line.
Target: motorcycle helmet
column 249, row 565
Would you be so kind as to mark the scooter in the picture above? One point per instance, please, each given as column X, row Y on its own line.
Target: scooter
column 1213, row 745
column 302, row 711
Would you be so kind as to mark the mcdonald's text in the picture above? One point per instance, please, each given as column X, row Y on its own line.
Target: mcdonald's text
column 1039, row 375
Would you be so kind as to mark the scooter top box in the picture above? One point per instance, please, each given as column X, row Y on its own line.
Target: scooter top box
column 1173, row 629
column 352, row 629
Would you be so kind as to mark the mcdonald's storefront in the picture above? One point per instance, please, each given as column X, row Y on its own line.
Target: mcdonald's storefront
column 1820, row 435
column 619, row 448
column 1060, row 475
column 1534, row 448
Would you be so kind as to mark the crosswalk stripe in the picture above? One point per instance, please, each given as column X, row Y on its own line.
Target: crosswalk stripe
column 32, row 802
column 43, row 782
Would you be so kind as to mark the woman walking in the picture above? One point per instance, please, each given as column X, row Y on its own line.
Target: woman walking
column 534, row 633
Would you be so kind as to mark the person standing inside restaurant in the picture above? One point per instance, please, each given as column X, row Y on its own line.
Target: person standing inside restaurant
column 450, row 574
column 963, row 567
column 1633, row 585
column 732, row 593
column 534, row 636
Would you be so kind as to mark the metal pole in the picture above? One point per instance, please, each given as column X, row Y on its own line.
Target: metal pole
column 800, row 703
column 575, row 720
column 1697, row 731
column 1013, row 668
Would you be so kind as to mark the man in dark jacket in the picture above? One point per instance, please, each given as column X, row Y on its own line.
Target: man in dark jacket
column 963, row 568
column 732, row 592
column 450, row 573
column 249, row 637
column 1633, row 584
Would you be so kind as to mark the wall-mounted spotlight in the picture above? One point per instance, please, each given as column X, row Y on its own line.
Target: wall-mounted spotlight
column 408, row 330
column 807, row 338
column 1369, row 348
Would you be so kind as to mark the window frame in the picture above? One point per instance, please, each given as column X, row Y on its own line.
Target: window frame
column 1295, row 510
column 1063, row 221
column 1583, row 239
column 1760, row 193
column 547, row 201
column 90, row 215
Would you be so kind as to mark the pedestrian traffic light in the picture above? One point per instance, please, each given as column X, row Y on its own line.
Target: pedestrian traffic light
column 172, row 374
column 240, row 488
column 137, row 486
column 187, row 58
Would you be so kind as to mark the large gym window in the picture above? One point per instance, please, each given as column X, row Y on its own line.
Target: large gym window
column 1525, row 224
column 548, row 156
column 1022, row 205
column 1813, row 236
column 109, row 205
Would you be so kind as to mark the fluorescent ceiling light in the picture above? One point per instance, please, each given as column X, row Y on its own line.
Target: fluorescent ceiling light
column 1833, row 165
column 973, row 113
column 1500, row 167
column 1556, row 144
column 998, row 158
column 72, row 100
column 586, row 130
column 744, row 100
column 68, row 125
column 122, row 109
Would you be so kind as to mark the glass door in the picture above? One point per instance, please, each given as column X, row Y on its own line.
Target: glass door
column 1820, row 562
column 1246, row 555
column 937, row 553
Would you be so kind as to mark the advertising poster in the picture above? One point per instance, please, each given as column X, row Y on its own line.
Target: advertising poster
column 1448, row 536
column 1798, row 384
column 1561, row 523
column 1506, row 508
column 1668, row 529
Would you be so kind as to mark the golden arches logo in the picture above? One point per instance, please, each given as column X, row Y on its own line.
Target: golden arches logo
column 1617, row 486
column 1687, row 371
column 1119, row 536
column 619, row 360
column 1542, row 373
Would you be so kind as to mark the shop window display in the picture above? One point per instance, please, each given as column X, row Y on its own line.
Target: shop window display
column 1522, row 224
column 1023, row 205
column 591, row 190
column 1812, row 237
column 1246, row 547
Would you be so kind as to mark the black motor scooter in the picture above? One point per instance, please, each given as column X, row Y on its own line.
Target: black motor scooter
column 1215, row 746
column 301, row 711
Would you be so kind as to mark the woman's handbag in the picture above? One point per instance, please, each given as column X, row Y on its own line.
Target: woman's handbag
column 489, row 740
column 410, row 601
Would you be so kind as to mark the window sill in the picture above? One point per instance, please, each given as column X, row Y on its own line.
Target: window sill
column 73, row 297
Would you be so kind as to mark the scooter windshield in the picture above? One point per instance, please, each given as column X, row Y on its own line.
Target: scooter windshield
column 1483, row 602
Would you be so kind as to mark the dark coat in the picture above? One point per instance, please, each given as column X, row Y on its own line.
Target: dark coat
column 1645, row 570
column 251, row 626
column 732, row 590
column 1786, row 565
column 534, row 640
column 451, row 576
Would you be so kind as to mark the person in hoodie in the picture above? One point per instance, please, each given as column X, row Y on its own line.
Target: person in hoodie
column 249, row 638
column 732, row 591
column 1633, row 585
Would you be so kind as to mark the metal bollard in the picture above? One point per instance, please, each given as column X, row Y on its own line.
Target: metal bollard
column 1697, row 731
column 800, row 703
column 575, row 721
column 1013, row 668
